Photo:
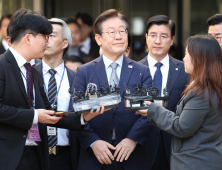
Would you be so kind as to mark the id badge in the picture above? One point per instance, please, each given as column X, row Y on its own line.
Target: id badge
column 51, row 131
column 159, row 102
column 34, row 133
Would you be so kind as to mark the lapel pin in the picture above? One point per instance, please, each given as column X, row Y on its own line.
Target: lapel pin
column 176, row 69
column 130, row 66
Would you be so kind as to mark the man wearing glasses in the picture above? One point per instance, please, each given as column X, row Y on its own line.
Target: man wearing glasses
column 166, row 72
column 23, row 118
column 214, row 24
column 115, row 140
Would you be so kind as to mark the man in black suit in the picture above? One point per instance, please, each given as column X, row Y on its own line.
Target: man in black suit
column 160, row 33
column 89, row 49
column 67, row 145
column 23, row 134
column 3, row 27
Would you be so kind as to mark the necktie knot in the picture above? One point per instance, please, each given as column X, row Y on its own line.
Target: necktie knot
column 52, row 72
column 158, row 65
column 28, row 66
column 114, row 65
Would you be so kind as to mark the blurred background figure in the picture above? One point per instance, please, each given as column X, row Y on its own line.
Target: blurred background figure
column 89, row 49
column 72, row 62
column 76, row 35
column 3, row 27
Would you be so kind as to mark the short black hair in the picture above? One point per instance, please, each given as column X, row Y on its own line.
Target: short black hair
column 73, row 58
column 72, row 21
column 160, row 20
column 8, row 16
column 85, row 17
column 25, row 21
column 214, row 20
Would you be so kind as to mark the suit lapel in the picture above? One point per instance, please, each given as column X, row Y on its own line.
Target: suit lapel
column 70, row 75
column 99, row 69
column 144, row 61
column 38, row 67
column 126, row 71
column 174, row 70
column 16, row 72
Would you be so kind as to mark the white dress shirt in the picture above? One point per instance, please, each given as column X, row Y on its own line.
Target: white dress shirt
column 107, row 63
column 164, row 69
column 63, row 98
column 21, row 61
column 86, row 45
column 5, row 44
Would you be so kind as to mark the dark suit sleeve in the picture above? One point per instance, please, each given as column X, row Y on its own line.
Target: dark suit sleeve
column 87, row 136
column 141, row 127
column 72, row 122
column 21, row 118
column 186, row 121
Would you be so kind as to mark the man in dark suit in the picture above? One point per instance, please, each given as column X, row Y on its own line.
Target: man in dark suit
column 114, row 140
column 23, row 133
column 67, row 146
column 214, row 24
column 160, row 33
column 3, row 27
column 89, row 49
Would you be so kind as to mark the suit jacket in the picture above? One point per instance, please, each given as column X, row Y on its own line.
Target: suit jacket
column 196, row 129
column 2, row 49
column 73, row 140
column 176, row 83
column 93, row 52
column 16, row 117
column 126, row 123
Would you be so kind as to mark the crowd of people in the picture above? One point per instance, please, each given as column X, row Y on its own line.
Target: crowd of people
column 43, row 63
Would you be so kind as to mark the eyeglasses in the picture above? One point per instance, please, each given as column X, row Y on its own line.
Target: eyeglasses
column 113, row 33
column 218, row 39
column 46, row 36
column 153, row 37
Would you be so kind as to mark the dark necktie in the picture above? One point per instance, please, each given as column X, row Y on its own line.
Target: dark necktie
column 158, row 77
column 114, row 78
column 52, row 86
column 52, row 90
column 29, row 83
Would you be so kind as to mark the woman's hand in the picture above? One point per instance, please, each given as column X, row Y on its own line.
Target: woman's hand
column 143, row 112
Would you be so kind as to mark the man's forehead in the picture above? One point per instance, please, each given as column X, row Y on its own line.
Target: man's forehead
column 215, row 29
column 159, row 28
column 113, row 23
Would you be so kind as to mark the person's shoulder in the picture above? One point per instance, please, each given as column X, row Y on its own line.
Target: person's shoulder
column 136, row 64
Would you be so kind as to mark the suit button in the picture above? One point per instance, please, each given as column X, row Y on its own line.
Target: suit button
column 114, row 116
column 110, row 132
column 157, row 133
column 24, row 136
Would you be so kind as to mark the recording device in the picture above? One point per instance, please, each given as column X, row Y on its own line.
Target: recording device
column 106, row 95
column 134, row 98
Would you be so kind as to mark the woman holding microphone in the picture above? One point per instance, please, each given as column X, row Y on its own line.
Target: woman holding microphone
column 196, row 125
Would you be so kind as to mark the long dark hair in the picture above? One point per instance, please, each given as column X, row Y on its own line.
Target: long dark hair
column 206, row 56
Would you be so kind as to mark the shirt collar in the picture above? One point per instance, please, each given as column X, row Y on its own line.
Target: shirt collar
column 18, row 57
column 5, row 44
column 87, row 42
column 107, row 61
column 59, row 69
column 152, row 61
column 32, row 62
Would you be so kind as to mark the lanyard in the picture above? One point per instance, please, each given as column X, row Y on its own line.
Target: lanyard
column 58, row 88
column 29, row 87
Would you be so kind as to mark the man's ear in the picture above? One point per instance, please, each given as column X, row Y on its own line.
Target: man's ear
column 65, row 44
column 98, row 39
column 27, row 38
